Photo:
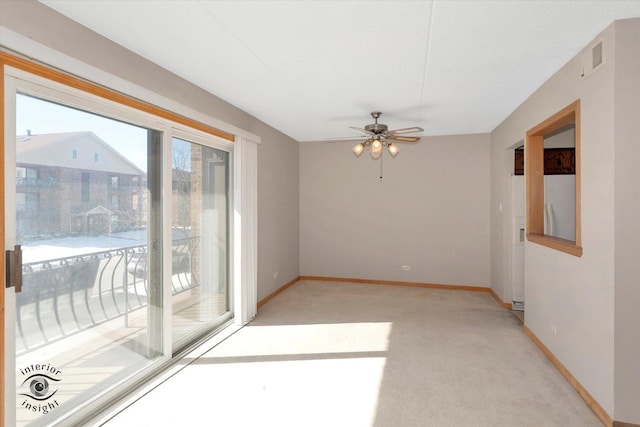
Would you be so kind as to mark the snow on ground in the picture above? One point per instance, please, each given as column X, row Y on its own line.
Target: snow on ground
column 62, row 247
column 71, row 246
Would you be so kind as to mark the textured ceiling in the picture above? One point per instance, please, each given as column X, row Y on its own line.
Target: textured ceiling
column 311, row 69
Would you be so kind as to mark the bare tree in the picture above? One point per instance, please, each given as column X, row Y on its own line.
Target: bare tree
column 181, row 182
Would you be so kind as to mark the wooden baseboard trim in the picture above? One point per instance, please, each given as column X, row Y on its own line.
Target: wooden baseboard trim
column 397, row 283
column 497, row 298
column 383, row 282
column 275, row 293
column 593, row 404
column 622, row 424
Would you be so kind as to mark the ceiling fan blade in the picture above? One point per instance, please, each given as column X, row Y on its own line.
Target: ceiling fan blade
column 405, row 130
column 404, row 138
column 366, row 132
column 341, row 138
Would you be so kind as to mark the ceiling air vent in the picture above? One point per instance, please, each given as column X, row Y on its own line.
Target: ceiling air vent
column 592, row 59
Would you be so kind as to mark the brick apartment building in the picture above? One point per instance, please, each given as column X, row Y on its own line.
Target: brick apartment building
column 75, row 183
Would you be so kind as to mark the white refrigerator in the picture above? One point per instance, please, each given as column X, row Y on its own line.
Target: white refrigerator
column 560, row 206
column 517, row 249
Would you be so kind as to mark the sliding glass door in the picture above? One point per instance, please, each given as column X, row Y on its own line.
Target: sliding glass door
column 84, row 216
column 200, row 231
column 119, row 226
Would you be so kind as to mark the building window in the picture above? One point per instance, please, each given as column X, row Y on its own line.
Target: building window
column 114, row 182
column 84, row 191
column 540, row 210
column 74, row 154
column 27, row 202
column 26, row 176
column 115, row 201
column 95, row 157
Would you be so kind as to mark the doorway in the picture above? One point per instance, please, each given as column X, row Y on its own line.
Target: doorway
column 517, row 247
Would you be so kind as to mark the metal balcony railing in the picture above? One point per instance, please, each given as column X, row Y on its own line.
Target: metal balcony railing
column 36, row 183
column 61, row 297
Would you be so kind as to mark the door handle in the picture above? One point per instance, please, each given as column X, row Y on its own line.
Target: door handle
column 13, row 267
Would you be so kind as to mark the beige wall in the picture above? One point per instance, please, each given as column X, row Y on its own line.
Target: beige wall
column 47, row 31
column 627, row 226
column 278, row 214
column 430, row 211
column 574, row 294
column 581, row 297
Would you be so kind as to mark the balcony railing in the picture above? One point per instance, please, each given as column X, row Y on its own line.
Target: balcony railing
column 64, row 296
column 36, row 183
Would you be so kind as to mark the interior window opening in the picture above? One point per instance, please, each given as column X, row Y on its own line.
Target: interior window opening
column 552, row 153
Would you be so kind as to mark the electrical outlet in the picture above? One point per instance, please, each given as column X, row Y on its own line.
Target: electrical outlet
column 276, row 275
column 406, row 267
column 553, row 328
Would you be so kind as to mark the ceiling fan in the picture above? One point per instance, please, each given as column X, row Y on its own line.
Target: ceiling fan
column 380, row 136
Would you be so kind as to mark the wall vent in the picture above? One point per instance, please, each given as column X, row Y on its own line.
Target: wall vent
column 592, row 59
column 596, row 55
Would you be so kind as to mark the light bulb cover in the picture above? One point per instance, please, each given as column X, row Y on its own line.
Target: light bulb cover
column 376, row 154
column 393, row 149
column 358, row 149
column 376, row 147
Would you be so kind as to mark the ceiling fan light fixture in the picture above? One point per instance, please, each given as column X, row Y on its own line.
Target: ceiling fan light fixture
column 380, row 137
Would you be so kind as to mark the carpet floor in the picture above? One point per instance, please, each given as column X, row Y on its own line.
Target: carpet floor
column 345, row 354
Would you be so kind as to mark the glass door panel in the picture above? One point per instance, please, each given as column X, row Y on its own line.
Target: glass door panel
column 200, row 230
column 86, row 208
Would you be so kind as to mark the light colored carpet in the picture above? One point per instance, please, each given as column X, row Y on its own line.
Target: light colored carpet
column 344, row 354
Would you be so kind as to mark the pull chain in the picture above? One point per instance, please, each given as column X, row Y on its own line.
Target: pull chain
column 381, row 156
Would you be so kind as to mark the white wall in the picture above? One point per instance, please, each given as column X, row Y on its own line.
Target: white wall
column 576, row 295
column 627, row 221
column 97, row 56
column 430, row 211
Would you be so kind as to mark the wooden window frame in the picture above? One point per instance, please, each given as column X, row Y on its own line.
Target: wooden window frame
column 534, row 176
column 66, row 79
